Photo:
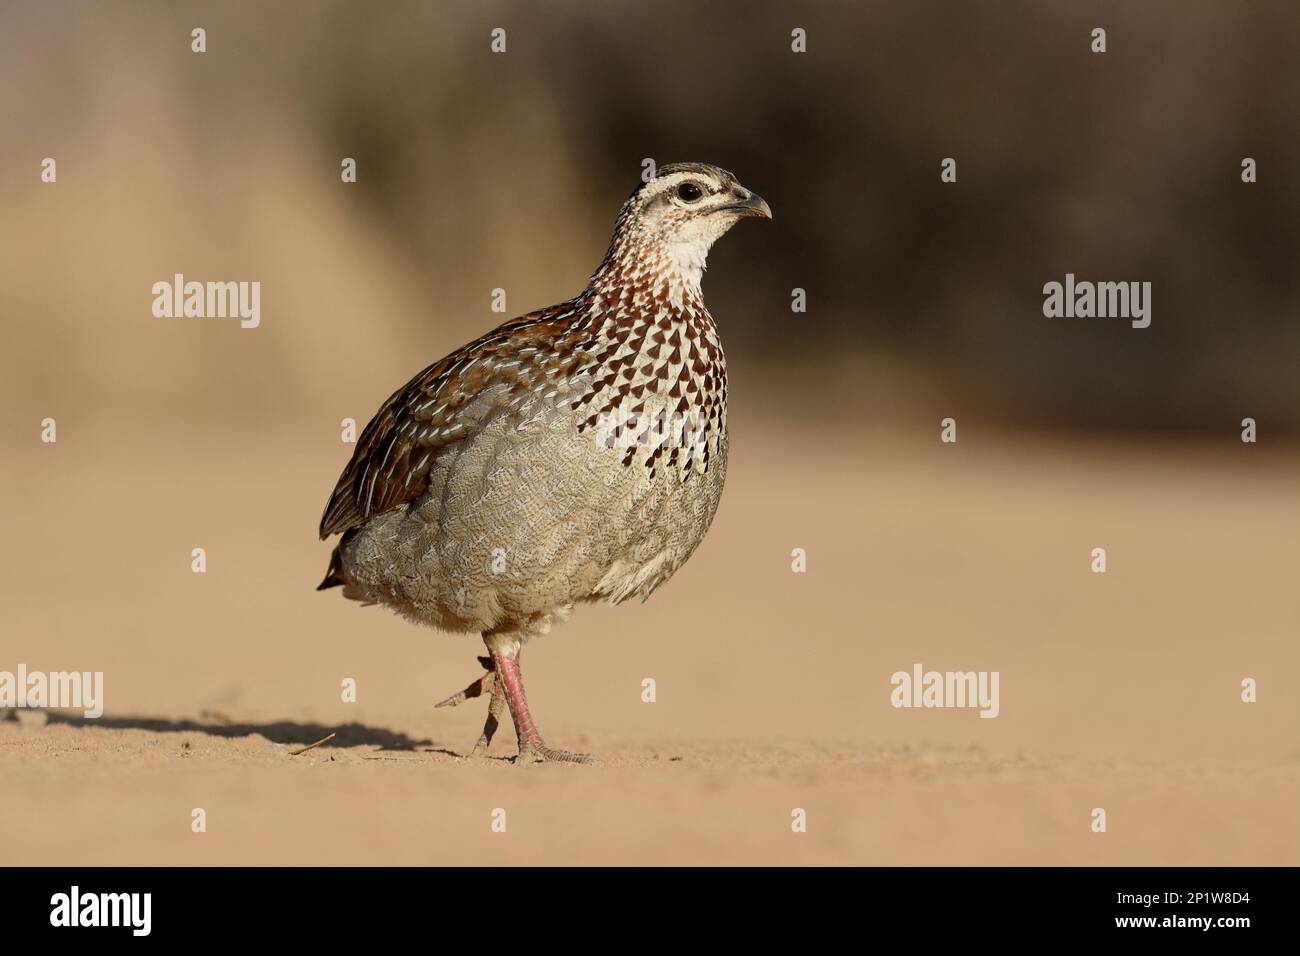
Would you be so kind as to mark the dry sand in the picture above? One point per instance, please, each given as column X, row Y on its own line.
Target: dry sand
column 1119, row 691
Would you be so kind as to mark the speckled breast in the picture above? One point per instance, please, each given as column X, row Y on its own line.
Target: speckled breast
column 599, row 486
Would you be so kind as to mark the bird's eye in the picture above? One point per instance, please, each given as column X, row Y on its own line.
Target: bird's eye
column 689, row 192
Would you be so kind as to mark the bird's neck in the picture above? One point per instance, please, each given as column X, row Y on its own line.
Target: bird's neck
column 657, row 359
column 642, row 270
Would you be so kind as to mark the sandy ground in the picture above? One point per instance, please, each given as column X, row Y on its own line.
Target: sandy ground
column 1119, row 691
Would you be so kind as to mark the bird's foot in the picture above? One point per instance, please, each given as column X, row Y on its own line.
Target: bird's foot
column 505, row 685
column 485, row 684
column 489, row 683
column 534, row 751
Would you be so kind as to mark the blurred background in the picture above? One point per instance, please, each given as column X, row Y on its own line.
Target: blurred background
column 479, row 171
column 924, row 300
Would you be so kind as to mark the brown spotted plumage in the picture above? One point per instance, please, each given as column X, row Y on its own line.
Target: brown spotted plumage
column 572, row 454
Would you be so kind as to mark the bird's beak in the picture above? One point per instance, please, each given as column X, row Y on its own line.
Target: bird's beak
column 748, row 204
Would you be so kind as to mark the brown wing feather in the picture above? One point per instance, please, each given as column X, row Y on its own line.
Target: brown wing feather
column 391, row 462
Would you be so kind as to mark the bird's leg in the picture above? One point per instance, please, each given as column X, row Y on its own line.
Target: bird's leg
column 488, row 683
column 532, row 748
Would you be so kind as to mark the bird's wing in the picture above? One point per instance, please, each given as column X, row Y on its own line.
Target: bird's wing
column 437, row 408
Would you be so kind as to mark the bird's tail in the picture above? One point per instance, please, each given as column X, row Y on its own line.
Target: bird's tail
column 334, row 576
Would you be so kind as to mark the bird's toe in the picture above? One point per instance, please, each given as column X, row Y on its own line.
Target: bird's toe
column 531, row 753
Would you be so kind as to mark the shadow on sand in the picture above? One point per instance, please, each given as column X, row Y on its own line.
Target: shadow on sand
column 280, row 732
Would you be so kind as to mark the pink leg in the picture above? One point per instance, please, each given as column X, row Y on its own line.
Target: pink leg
column 531, row 746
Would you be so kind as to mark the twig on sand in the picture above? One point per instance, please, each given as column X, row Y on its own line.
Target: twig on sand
column 303, row 750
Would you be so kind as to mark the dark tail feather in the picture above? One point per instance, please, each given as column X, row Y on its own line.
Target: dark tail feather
column 334, row 576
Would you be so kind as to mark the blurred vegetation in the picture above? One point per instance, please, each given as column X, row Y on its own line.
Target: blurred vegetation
column 481, row 170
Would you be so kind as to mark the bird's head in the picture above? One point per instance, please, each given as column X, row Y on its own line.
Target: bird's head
column 683, row 210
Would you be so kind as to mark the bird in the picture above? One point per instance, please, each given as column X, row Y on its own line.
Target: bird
column 573, row 454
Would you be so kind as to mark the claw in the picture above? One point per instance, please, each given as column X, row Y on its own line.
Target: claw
column 489, row 683
column 485, row 684
column 537, row 752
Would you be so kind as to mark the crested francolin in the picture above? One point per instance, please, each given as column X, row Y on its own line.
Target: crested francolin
column 572, row 454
